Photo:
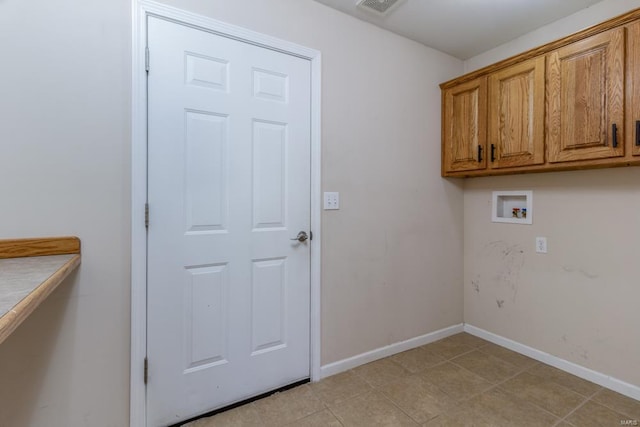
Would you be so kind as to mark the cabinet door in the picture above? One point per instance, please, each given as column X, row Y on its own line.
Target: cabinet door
column 516, row 115
column 464, row 130
column 586, row 98
column 633, row 83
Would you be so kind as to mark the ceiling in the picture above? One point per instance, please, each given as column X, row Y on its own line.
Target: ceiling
column 464, row 28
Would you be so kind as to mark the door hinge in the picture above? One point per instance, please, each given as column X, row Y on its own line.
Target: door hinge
column 146, row 370
column 146, row 59
column 146, row 215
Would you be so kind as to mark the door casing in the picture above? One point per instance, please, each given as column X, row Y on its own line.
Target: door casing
column 141, row 10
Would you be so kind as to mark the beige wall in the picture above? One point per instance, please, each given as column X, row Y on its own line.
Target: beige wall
column 65, row 170
column 387, row 269
column 580, row 301
column 392, row 266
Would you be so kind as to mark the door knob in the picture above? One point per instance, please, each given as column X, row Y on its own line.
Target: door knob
column 301, row 237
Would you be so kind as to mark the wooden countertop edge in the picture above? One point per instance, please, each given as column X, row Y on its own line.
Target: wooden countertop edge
column 14, row 317
column 18, row 248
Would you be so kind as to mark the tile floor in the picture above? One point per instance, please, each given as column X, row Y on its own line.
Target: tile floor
column 458, row 381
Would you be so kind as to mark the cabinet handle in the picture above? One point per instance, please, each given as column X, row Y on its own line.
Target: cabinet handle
column 614, row 135
column 493, row 153
column 480, row 152
column 637, row 132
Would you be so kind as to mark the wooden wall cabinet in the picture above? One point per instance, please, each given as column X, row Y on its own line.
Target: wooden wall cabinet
column 464, row 126
column 633, row 87
column 571, row 104
column 586, row 98
column 496, row 121
column 516, row 115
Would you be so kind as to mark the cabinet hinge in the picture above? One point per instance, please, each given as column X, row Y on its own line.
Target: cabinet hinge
column 310, row 235
column 146, row 59
column 146, row 215
column 146, row 370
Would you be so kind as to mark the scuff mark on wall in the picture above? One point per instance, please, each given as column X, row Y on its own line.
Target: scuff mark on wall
column 506, row 262
column 500, row 303
column 476, row 284
column 584, row 272
column 575, row 350
column 588, row 275
column 580, row 352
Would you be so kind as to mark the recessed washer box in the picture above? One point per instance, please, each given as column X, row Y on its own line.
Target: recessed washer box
column 514, row 207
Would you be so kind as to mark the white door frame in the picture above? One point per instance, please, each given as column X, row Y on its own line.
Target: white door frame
column 141, row 10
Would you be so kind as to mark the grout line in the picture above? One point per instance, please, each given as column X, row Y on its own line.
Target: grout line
column 563, row 384
column 291, row 423
column 529, row 401
column 590, row 399
column 560, row 420
column 464, row 399
column 360, row 393
column 253, row 407
column 575, row 409
column 526, row 369
column 398, row 407
column 335, row 416
column 519, row 370
column 609, row 407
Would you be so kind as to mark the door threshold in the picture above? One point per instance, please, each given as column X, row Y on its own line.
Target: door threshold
column 243, row 402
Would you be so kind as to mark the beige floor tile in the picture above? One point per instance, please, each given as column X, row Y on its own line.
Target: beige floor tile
column 462, row 417
column 583, row 387
column 594, row 414
column 417, row 359
column 468, row 340
column 380, row 372
column 456, row 393
column 503, row 409
column 439, row 421
column 457, row 382
column 619, row 403
column 371, row 409
column 241, row 416
column 448, row 348
column 484, row 365
column 340, row 387
column 288, row 406
column 507, row 355
column 418, row 398
column 543, row 392
column 319, row 419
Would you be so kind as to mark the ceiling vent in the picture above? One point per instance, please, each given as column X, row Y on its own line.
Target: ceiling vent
column 379, row 7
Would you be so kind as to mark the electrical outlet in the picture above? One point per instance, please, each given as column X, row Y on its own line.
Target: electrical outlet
column 541, row 245
column 331, row 200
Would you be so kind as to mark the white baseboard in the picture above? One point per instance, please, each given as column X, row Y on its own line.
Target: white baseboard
column 611, row 383
column 389, row 350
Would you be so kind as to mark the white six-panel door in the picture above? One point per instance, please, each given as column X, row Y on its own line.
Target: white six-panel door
column 228, row 188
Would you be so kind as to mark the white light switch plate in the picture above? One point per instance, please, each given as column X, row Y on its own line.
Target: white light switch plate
column 331, row 200
column 541, row 245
